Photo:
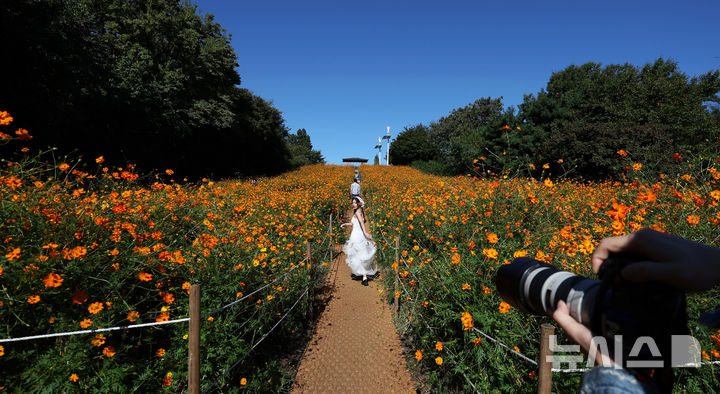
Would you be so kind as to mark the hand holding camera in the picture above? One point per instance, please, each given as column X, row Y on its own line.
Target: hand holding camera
column 640, row 294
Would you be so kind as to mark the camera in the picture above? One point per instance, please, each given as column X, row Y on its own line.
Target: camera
column 609, row 306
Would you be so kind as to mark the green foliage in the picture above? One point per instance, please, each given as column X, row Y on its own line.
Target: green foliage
column 145, row 82
column 580, row 121
column 301, row 150
column 412, row 144
column 126, row 254
column 589, row 112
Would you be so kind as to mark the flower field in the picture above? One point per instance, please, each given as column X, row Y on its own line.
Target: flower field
column 84, row 249
column 455, row 232
column 87, row 247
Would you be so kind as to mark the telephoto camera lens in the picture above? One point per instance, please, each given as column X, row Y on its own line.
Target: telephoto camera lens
column 536, row 287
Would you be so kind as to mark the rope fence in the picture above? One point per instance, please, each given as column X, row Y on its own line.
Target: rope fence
column 193, row 359
column 544, row 352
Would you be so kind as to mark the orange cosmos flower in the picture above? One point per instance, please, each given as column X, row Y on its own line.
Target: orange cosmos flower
column 133, row 315
column 637, row 166
column 15, row 253
column 520, row 253
column 168, row 298
column 456, row 259
column 506, row 127
column 492, row 238
column 439, row 346
column 99, row 340
column 243, row 381
column 466, row 286
column 53, row 280
column 438, row 360
column 476, row 341
column 33, row 299
column 96, row 307
column 622, row 153
column 5, row 118
column 86, row 323
column 109, row 351
column 23, row 134
column 418, row 355
column 164, row 316
column 715, row 194
column 145, row 277
column 548, row 183
column 168, row 379
column 693, row 220
column 467, row 320
column 64, row 167
column 677, row 156
column 504, row 307
column 74, row 378
column 160, row 352
column 490, row 253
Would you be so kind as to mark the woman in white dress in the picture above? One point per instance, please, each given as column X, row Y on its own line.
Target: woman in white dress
column 360, row 247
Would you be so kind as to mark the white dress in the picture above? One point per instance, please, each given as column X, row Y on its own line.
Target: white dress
column 359, row 252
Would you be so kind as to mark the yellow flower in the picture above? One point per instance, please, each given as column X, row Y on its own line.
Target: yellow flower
column 490, row 253
column 243, row 381
column 438, row 360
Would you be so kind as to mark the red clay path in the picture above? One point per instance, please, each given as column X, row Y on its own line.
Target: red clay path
column 354, row 348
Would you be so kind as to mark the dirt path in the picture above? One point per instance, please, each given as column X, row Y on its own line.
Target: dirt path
column 354, row 348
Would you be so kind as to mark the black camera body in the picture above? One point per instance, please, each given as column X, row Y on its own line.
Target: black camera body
column 609, row 307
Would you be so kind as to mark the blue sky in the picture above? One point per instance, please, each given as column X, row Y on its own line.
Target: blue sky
column 345, row 70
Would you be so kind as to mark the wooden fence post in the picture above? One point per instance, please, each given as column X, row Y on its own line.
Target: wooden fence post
column 544, row 365
column 194, row 341
column 397, row 270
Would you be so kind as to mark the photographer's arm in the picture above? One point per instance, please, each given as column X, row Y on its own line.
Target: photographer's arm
column 578, row 332
column 676, row 261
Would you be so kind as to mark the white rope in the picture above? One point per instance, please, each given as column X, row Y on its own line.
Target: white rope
column 61, row 334
column 505, row 346
column 256, row 343
column 246, row 296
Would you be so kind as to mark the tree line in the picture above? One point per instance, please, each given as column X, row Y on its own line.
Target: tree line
column 589, row 122
column 151, row 83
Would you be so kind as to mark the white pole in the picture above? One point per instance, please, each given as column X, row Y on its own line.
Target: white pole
column 379, row 150
column 387, row 157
